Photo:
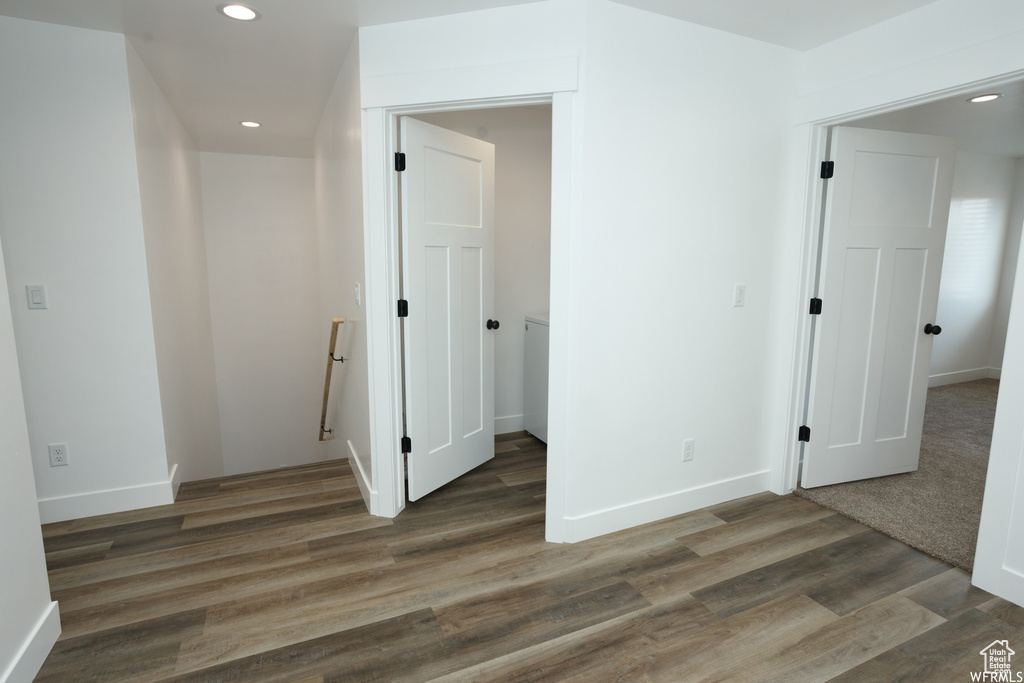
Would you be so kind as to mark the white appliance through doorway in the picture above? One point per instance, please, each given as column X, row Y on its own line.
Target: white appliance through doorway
column 535, row 380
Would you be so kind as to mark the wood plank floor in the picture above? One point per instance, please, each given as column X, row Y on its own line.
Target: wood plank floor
column 283, row 576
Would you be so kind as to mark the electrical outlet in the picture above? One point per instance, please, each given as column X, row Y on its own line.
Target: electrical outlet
column 688, row 447
column 58, row 454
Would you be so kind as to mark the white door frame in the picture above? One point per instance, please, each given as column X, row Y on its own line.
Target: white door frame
column 785, row 470
column 537, row 82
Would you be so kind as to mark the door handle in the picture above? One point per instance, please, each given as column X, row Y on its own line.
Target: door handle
column 492, row 324
column 932, row 329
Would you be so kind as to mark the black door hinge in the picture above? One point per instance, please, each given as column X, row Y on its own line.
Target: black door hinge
column 406, row 444
column 815, row 306
column 399, row 161
column 828, row 169
column 403, row 308
column 804, row 434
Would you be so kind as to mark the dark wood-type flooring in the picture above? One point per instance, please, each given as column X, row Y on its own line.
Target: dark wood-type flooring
column 283, row 576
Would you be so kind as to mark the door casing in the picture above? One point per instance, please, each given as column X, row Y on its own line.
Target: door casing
column 381, row 244
column 786, row 468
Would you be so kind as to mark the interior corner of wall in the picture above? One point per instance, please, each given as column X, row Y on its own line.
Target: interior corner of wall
column 174, row 475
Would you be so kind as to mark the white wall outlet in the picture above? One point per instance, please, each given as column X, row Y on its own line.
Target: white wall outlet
column 739, row 295
column 58, row 454
column 688, row 447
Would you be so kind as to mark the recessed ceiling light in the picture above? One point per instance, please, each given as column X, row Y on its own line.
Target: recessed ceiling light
column 250, row 124
column 240, row 12
column 985, row 98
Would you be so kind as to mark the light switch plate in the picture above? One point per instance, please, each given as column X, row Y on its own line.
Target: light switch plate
column 739, row 295
column 36, row 296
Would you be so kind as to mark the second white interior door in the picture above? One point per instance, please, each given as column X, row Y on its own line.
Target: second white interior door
column 448, row 249
column 885, row 230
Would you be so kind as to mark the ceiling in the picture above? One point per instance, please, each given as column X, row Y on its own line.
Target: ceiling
column 798, row 24
column 280, row 69
column 995, row 127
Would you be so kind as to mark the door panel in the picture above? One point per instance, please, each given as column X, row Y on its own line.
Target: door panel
column 885, row 227
column 897, row 391
column 453, row 189
column 473, row 341
column 879, row 201
column 854, row 345
column 436, row 292
column 448, row 280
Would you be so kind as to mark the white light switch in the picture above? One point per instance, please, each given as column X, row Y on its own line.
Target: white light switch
column 739, row 295
column 359, row 295
column 36, row 296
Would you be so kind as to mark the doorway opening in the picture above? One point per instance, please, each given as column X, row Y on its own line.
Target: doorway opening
column 381, row 236
column 938, row 508
column 461, row 383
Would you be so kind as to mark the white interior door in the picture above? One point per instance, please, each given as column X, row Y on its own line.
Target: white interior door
column 448, row 268
column 885, row 230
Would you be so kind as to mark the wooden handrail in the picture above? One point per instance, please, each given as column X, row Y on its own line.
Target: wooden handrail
column 325, row 433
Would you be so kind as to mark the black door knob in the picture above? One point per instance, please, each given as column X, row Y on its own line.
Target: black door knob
column 492, row 324
column 932, row 329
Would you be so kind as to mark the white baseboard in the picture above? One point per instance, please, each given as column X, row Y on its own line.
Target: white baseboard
column 945, row 378
column 91, row 503
column 508, row 424
column 365, row 485
column 651, row 510
column 175, row 480
column 34, row 651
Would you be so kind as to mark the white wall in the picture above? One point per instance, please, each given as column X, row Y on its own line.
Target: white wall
column 1008, row 271
column 999, row 559
column 70, row 219
column 942, row 45
column 554, row 28
column 341, row 262
column 681, row 202
column 172, row 220
column 30, row 623
column 522, row 235
column 259, row 214
column 983, row 187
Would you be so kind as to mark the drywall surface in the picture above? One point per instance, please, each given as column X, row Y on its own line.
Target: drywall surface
column 259, row 216
column 1008, row 272
column 942, row 45
column 978, row 218
column 659, row 352
column 999, row 559
column 522, row 235
column 172, row 219
column 530, row 32
column 24, row 591
column 338, row 168
column 70, row 219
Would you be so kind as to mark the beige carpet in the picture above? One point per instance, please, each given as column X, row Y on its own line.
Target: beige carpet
column 938, row 508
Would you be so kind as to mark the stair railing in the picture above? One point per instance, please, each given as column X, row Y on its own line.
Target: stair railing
column 326, row 434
